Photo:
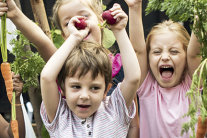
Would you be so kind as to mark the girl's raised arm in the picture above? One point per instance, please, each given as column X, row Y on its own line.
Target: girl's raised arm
column 136, row 34
column 193, row 57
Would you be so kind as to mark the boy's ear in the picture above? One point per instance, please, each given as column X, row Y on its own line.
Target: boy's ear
column 108, row 88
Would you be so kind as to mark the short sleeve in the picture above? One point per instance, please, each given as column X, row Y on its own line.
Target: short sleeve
column 52, row 126
column 117, row 102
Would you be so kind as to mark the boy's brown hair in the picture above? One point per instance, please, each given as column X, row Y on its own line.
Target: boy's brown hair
column 85, row 57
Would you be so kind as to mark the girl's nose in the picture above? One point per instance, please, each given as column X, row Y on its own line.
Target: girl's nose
column 165, row 56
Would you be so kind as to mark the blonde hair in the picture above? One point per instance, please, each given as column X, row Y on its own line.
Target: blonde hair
column 169, row 25
column 94, row 5
column 85, row 57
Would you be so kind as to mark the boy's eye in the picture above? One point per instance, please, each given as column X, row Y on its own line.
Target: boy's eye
column 75, row 87
column 95, row 88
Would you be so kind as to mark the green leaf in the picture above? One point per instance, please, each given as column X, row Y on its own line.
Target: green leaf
column 108, row 38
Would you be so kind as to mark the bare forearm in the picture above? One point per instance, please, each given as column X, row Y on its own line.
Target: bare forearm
column 136, row 31
column 20, row 118
column 129, row 59
column 34, row 34
column 136, row 34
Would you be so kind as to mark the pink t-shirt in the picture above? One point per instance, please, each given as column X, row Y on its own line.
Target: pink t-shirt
column 111, row 120
column 162, row 109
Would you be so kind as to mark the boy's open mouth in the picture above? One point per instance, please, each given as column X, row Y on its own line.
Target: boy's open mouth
column 84, row 106
column 166, row 71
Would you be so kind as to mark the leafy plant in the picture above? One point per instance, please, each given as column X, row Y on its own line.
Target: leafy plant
column 27, row 63
column 57, row 37
column 193, row 11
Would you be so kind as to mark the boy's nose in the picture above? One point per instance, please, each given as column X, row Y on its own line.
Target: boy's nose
column 84, row 95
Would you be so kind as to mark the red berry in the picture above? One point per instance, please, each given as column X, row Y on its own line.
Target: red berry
column 81, row 25
column 106, row 15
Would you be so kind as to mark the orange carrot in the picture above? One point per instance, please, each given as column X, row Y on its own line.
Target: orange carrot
column 201, row 128
column 14, row 127
column 7, row 75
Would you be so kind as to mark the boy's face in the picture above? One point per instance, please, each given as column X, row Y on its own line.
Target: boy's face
column 84, row 95
column 167, row 59
column 77, row 8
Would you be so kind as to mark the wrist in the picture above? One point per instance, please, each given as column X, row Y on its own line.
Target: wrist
column 15, row 14
column 136, row 5
column 119, row 32
column 73, row 40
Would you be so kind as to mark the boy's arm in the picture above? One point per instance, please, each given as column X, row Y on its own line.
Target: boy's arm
column 30, row 30
column 52, row 68
column 193, row 57
column 130, row 63
column 136, row 34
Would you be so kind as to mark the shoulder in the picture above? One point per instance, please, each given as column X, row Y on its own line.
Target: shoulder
column 148, row 83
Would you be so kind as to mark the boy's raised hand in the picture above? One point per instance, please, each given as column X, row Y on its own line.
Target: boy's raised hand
column 8, row 7
column 120, row 16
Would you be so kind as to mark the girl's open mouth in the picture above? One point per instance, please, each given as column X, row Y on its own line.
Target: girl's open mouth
column 166, row 71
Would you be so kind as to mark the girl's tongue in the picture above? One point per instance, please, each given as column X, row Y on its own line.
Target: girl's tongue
column 166, row 74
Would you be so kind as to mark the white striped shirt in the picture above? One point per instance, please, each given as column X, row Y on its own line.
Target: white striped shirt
column 111, row 120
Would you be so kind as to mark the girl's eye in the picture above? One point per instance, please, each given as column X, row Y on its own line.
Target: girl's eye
column 156, row 52
column 66, row 24
column 85, row 14
column 174, row 52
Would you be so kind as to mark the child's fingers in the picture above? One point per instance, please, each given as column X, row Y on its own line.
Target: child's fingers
column 116, row 6
column 3, row 8
column 17, row 85
column 76, row 19
column 119, row 13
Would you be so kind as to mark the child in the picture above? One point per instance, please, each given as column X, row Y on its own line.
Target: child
column 63, row 10
column 84, row 76
column 167, row 63
column 69, row 8
column 5, row 129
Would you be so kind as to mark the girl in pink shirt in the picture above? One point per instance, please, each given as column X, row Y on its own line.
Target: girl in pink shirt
column 168, row 61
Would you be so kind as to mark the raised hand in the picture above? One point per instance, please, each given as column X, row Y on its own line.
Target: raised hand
column 80, row 34
column 131, row 3
column 120, row 16
column 8, row 7
column 17, row 84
